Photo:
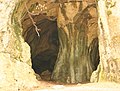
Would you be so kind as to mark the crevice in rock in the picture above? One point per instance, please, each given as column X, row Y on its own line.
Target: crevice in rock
column 94, row 53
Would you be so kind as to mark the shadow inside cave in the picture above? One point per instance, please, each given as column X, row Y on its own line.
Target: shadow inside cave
column 44, row 48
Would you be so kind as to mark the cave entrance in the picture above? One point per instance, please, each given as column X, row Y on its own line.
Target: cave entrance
column 45, row 46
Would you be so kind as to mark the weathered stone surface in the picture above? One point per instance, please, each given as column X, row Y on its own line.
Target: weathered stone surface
column 6, row 71
column 77, row 30
column 15, row 66
column 109, row 40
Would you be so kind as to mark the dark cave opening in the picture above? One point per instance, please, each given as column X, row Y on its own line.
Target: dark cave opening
column 44, row 48
column 94, row 53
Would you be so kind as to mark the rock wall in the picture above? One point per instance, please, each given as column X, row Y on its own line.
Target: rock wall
column 15, row 65
column 109, row 41
column 77, row 30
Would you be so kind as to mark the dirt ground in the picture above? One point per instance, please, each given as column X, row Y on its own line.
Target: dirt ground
column 51, row 86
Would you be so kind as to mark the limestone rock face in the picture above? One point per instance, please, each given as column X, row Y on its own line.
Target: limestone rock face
column 78, row 53
column 109, row 40
column 15, row 65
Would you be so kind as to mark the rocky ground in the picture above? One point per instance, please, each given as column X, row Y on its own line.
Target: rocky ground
column 51, row 86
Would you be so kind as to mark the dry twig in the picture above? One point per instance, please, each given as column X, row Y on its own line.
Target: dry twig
column 33, row 22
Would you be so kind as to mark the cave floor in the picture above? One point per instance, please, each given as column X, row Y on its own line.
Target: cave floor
column 51, row 86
